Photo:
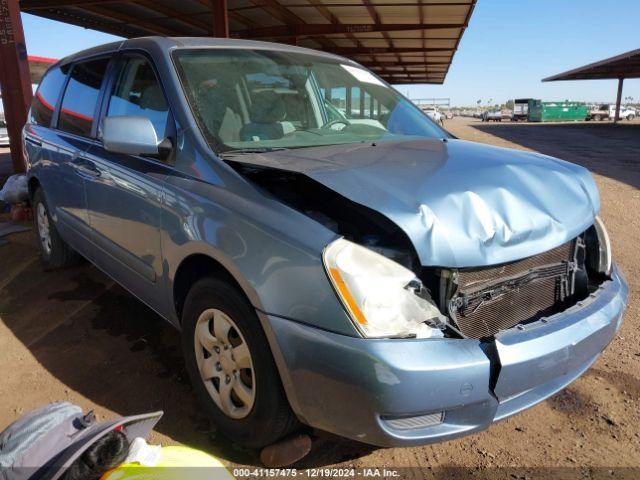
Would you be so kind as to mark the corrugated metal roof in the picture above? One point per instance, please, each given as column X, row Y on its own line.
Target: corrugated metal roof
column 626, row 65
column 38, row 65
column 404, row 41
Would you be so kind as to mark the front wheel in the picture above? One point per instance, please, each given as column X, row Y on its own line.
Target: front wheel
column 631, row 117
column 231, row 367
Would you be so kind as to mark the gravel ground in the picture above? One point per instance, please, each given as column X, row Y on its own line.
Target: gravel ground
column 74, row 335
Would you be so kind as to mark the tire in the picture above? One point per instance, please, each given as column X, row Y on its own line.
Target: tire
column 597, row 118
column 261, row 415
column 631, row 116
column 55, row 253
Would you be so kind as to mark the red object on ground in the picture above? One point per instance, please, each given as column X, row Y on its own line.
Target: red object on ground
column 19, row 213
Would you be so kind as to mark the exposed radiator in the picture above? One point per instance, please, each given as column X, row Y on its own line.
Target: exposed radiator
column 491, row 299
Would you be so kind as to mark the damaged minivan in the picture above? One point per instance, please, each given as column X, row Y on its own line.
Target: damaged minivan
column 333, row 259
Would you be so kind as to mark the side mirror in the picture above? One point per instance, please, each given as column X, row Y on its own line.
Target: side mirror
column 131, row 135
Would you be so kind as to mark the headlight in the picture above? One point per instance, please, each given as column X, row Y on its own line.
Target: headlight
column 383, row 298
column 604, row 263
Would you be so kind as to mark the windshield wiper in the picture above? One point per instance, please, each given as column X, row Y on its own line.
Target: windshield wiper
column 242, row 151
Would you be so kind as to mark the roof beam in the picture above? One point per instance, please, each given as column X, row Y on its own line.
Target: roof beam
column 40, row 5
column 235, row 15
column 117, row 17
column 385, row 51
column 220, row 12
column 32, row 6
column 326, row 13
column 388, row 63
column 312, row 30
column 173, row 14
column 373, row 13
column 351, row 5
column 286, row 16
column 96, row 23
column 278, row 11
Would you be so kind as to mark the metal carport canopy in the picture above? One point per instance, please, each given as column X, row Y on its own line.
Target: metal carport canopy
column 626, row 65
column 404, row 41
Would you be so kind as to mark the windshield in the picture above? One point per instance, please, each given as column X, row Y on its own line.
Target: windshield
column 262, row 100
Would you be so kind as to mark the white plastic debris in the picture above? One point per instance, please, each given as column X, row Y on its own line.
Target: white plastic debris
column 15, row 189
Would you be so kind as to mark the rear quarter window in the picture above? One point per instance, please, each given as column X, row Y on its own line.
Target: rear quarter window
column 46, row 97
column 81, row 95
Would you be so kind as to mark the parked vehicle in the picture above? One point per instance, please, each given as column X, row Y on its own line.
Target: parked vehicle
column 382, row 281
column 598, row 113
column 4, row 134
column 521, row 109
column 492, row 116
column 434, row 114
column 608, row 112
column 626, row 113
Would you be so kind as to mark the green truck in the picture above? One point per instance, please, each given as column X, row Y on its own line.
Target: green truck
column 565, row 111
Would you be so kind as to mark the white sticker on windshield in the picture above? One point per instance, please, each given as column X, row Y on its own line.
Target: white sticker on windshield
column 362, row 75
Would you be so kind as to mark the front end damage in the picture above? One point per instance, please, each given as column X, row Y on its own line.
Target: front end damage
column 404, row 392
column 513, row 333
column 478, row 301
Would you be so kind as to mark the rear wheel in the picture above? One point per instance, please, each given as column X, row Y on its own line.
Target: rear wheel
column 231, row 366
column 54, row 251
column 631, row 116
column 597, row 118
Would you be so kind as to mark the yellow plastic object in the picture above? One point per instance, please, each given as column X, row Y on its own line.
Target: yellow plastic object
column 176, row 463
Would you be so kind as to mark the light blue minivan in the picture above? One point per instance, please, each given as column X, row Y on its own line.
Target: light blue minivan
column 333, row 258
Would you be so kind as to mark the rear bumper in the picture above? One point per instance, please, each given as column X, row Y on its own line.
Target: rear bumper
column 356, row 387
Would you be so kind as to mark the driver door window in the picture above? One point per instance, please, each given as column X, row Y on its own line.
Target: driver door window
column 138, row 92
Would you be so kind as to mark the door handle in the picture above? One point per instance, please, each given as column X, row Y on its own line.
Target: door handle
column 86, row 167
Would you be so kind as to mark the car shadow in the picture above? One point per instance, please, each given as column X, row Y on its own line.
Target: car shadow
column 101, row 342
column 604, row 148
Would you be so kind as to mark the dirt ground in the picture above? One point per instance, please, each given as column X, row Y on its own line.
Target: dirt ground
column 74, row 335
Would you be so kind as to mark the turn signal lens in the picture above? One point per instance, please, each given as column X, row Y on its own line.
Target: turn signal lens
column 379, row 294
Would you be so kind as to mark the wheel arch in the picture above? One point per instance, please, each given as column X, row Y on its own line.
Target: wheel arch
column 33, row 185
column 200, row 265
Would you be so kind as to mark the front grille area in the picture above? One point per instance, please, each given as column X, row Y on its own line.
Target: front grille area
column 491, row 299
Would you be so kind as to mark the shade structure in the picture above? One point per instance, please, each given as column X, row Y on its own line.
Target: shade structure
column 626, row 65
column 403, row 41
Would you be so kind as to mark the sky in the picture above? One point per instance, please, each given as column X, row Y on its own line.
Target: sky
column 509, row 46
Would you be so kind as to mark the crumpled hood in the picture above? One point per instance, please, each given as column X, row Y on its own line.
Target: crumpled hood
column 462, row 204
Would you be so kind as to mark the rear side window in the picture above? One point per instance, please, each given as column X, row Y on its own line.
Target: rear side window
column 138, row 92
column 46, row 97
column 80, row 97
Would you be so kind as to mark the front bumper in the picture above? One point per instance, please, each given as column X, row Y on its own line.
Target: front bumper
column 355, row 387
